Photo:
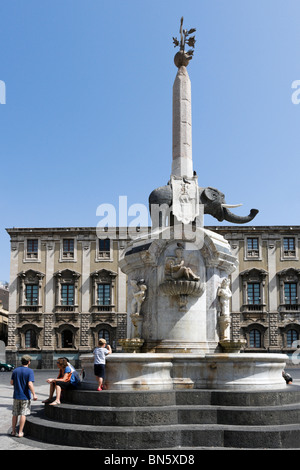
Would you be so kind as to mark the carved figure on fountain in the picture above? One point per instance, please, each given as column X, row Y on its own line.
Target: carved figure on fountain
column 224, row 294
column 139, row 294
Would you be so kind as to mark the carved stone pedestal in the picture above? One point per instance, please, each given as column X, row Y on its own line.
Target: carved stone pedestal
column 180, row 308
column 137, row 321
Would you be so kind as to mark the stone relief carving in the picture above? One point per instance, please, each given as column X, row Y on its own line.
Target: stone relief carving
column 185, row 193
column 180, row 280
column 176, row 269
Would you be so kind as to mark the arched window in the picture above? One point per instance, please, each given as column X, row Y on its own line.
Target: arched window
column 255, row 338
column 104, row 334
column 292, row 335
column 30, row 339
column 67, row 339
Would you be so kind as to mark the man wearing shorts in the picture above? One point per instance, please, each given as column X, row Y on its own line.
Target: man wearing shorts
column 99, row 361
column 22, row 379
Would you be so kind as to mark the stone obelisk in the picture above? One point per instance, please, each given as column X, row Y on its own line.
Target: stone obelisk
column 184, row 184
column 182, row 163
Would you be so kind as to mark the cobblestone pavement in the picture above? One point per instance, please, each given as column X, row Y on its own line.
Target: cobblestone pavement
column 41, row 388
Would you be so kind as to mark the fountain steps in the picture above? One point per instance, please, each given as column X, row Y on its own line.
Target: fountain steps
column 172, row 419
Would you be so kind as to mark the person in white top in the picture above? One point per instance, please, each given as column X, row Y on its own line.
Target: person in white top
column 100, row 354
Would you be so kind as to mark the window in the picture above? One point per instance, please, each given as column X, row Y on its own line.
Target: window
column 289, row 247
column 104, row 248
column 289, row 280
column 103, row 290
column 253, row 293
column 67, row 294
column 68, row 248
column 255, row 338
column 252, row 248
column 254, row 289
column 30, row 339
column 292, row 335
column 32, row 248
column 290, row 295
column 66, row 291
column 30, row 284
column 67, row 339
column 104, row 245
column 31, row 294
column 104, row 334
column 103, row 294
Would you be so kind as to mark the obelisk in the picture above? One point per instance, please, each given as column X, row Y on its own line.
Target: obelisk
column 182, row 163
column 184, row 184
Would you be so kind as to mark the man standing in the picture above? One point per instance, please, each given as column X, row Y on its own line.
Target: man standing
column 22, row 379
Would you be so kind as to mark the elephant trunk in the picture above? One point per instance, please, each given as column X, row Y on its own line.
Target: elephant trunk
column 236, row 219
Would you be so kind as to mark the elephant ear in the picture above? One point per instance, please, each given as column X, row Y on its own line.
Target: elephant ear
column 212, row 194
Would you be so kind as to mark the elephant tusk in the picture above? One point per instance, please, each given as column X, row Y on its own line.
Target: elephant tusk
column 230, row 206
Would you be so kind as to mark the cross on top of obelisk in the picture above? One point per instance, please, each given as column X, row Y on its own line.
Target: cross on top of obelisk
column 183, row 57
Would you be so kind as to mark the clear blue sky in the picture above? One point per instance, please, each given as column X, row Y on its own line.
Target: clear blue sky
column 88, row 113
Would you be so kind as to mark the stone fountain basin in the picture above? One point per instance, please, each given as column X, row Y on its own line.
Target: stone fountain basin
column 180, row 287
column 163, row 371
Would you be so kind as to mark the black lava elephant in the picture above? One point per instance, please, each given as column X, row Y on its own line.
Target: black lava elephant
column 212, row 199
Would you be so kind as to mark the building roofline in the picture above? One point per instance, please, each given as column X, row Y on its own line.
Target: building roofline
column 231, row 228
column 235, row 228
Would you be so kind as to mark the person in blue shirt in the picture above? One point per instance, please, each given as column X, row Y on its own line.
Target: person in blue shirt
column 22, row 380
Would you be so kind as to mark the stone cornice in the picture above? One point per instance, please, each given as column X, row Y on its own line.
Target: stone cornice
column 38, row 231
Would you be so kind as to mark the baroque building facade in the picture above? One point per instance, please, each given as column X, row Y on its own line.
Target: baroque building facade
column 66, row 290
column 265, row 306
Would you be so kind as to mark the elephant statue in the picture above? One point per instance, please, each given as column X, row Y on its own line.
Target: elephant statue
column 212, row 199
column 214, row 204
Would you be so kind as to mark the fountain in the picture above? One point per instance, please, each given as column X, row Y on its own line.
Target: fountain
column 178, row 282
column 181, row 382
